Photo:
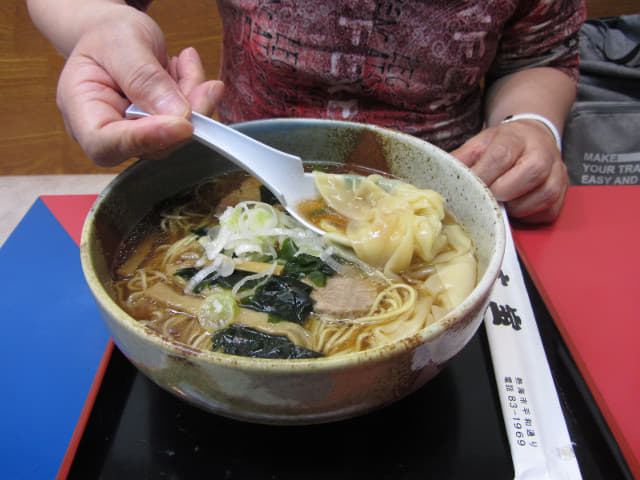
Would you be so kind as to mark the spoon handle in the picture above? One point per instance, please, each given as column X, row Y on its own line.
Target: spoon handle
column 277, row 170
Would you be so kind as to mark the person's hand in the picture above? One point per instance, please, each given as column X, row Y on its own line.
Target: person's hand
column 522, row 166
column 121, row 61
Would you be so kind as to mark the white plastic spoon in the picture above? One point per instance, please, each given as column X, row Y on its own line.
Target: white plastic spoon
column 280, row 172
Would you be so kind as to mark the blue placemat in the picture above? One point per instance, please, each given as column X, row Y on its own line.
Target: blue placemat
column 53, row 343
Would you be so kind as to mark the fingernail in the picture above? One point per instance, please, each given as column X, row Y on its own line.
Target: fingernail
column 172, row 104
column 192, row 54
column 215, row 91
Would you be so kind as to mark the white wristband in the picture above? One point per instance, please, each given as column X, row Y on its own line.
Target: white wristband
column 533, row 116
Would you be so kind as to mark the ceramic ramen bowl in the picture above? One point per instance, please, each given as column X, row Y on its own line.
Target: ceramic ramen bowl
column 295, row 391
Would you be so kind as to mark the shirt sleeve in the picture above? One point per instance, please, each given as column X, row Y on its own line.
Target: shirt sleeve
column 541, row 33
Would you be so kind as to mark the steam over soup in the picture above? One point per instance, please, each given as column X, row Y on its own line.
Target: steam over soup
column 223, row 269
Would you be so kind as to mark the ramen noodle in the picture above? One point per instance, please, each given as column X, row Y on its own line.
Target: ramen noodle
column 223, row 268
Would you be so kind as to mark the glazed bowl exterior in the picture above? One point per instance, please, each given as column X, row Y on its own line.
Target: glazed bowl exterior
column 295, row 391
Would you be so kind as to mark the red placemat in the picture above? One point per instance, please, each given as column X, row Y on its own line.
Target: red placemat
column 587, row 269
column 70, row 211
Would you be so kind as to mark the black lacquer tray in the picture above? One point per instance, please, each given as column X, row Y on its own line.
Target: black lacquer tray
column 451, row 428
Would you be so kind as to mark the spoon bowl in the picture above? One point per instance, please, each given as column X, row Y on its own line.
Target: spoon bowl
column 280, row 172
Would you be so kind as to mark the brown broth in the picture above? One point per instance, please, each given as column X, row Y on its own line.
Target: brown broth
column 318, row 212
column 146, row 246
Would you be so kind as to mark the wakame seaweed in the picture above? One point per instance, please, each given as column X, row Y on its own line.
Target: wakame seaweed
column 303, row 265
column 283, row 297
column 186, row 272
column 201, row 231
column 247, row 342
column 212, row 280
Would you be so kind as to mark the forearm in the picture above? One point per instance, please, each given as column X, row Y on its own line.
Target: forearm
column 543, row 91
column 63, row 22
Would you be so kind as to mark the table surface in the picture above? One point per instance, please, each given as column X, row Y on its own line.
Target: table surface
column 587, row 269
column 17, row 197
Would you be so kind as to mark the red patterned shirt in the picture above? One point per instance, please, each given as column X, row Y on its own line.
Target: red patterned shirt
column 415, row 66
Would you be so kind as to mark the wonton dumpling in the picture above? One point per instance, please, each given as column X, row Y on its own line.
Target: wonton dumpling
column 455, row 270
column 458, row 278
column 389, row 221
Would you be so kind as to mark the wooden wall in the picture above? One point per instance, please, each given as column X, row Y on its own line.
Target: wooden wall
column 612, row 8
column 33, row 139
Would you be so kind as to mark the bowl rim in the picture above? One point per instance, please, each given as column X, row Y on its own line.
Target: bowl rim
column 375, row 354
